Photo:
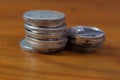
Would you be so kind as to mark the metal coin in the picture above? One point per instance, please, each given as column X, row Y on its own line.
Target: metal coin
column 85, row 42
column 46, row 36
column 44, row 18
column 86, row 38
column 47, row 43
column 46, row 46
column 47, row 30
column 86, row 33
column 25, row 46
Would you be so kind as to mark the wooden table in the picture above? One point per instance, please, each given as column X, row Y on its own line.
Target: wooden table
column 16, row 64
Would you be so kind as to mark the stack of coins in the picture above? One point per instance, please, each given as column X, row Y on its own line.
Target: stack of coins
column 45, row 31
column 86, row 39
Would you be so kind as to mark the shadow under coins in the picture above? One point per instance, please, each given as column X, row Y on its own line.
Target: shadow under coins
column 67, row 51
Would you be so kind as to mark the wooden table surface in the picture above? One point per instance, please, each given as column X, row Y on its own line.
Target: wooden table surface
column 16, row 64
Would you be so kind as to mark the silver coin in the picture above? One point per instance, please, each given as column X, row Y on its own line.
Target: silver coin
column 47, row 43
column 82, row 42
column 56, row 30
column 42, row 47
column 46, row 36
column 51, row 50
column 44, row 18
column 25, row 46
column 87, row 38
column 85, row 44
column 47, row 46
column 86, row 33
column 48, row 50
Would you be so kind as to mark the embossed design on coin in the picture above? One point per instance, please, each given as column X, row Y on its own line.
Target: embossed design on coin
column 44, row 18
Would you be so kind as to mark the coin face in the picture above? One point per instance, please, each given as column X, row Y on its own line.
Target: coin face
column 86, row 32
column 44, row 15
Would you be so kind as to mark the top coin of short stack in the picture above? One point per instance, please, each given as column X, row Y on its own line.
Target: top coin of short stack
column 86, row 38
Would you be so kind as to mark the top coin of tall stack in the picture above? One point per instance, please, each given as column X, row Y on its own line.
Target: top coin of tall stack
column 45, row 31
column 44, row 18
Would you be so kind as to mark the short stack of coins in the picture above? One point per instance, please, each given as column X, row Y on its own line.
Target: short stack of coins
column 85, row 38
column 45, row 31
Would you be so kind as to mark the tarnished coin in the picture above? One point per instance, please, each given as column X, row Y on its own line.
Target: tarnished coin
column 86, row 33
column 86, row 38
column 52, row 36
column 46, row 46
column 85, row 42
column 47, row 42
column 49, row 30
column 25, row 46
column 45, row 18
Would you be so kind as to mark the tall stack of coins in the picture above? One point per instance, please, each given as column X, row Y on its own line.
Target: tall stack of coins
column 45, row 31
column 86, row 39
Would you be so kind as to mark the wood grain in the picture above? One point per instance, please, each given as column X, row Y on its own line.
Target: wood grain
column 16, row 64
